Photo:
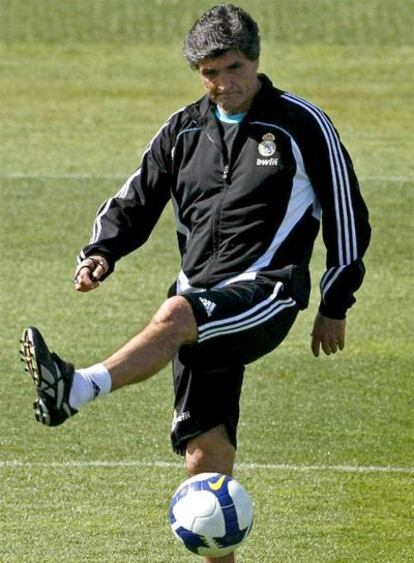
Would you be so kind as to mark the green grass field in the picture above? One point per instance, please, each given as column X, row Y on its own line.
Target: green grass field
column 325, row 446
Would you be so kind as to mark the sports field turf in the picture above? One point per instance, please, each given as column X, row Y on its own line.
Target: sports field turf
column 325, row 446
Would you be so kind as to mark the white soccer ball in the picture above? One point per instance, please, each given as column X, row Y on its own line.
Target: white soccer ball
column 211, row 514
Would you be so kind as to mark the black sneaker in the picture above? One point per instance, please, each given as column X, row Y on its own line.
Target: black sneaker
column 51, row 376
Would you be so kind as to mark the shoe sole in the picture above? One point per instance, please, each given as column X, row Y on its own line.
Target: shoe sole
column 27, row 352
column 28, row 356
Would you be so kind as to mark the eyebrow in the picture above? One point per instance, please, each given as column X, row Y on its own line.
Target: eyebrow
column 235, row 64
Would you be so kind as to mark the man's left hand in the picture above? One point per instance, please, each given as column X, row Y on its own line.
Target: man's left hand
column 328, row 333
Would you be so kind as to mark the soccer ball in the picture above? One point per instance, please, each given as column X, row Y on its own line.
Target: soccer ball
column 211, row 514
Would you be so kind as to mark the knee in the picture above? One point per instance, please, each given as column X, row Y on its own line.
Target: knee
column 176, row 315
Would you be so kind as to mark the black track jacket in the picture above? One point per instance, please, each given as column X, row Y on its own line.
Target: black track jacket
column 255, row 212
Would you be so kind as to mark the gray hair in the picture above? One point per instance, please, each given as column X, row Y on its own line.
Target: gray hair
column 220, row 29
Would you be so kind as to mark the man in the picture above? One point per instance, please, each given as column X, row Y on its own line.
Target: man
column 249, row 170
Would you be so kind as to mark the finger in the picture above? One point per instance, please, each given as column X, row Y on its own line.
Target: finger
column 84, row 276
column 84, row 281
column 315, row 346
column 88, row 286
column 98, row 272
column 326, row 347
column 94, row 267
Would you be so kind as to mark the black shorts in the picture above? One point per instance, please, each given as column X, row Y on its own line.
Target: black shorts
column 237, row 324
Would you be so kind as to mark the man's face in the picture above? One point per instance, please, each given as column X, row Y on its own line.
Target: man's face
column 230, row 80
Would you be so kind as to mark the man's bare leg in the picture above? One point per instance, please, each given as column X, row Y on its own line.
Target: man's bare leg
column 150, row 350
column 211, row 452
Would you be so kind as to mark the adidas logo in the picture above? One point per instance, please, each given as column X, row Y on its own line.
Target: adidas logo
column 208, row 305
column 96, row 389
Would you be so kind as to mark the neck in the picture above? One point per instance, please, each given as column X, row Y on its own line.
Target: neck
column 229, row 117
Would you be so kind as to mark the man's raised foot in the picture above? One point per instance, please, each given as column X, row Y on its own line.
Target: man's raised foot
column 52, row 378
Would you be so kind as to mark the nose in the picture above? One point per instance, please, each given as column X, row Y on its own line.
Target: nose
column 224, row 83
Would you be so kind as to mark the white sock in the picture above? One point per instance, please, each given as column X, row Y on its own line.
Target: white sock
column 88, row 384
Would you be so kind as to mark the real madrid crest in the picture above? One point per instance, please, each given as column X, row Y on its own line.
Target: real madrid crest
column 267, row 148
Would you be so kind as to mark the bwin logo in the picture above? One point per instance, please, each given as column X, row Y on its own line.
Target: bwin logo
column 267, row 161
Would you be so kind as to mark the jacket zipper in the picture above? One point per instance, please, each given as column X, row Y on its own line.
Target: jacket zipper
column 226, row 172
column 216, row 212
column 215, row 222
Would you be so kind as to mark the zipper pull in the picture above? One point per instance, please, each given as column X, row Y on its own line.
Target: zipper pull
column 225, row 172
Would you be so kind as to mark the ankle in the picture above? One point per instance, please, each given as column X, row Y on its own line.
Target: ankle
column 88, row 384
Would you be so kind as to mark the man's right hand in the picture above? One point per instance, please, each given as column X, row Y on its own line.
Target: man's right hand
column 89, row 272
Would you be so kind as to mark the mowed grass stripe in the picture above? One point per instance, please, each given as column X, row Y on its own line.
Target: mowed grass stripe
column 240, row 467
